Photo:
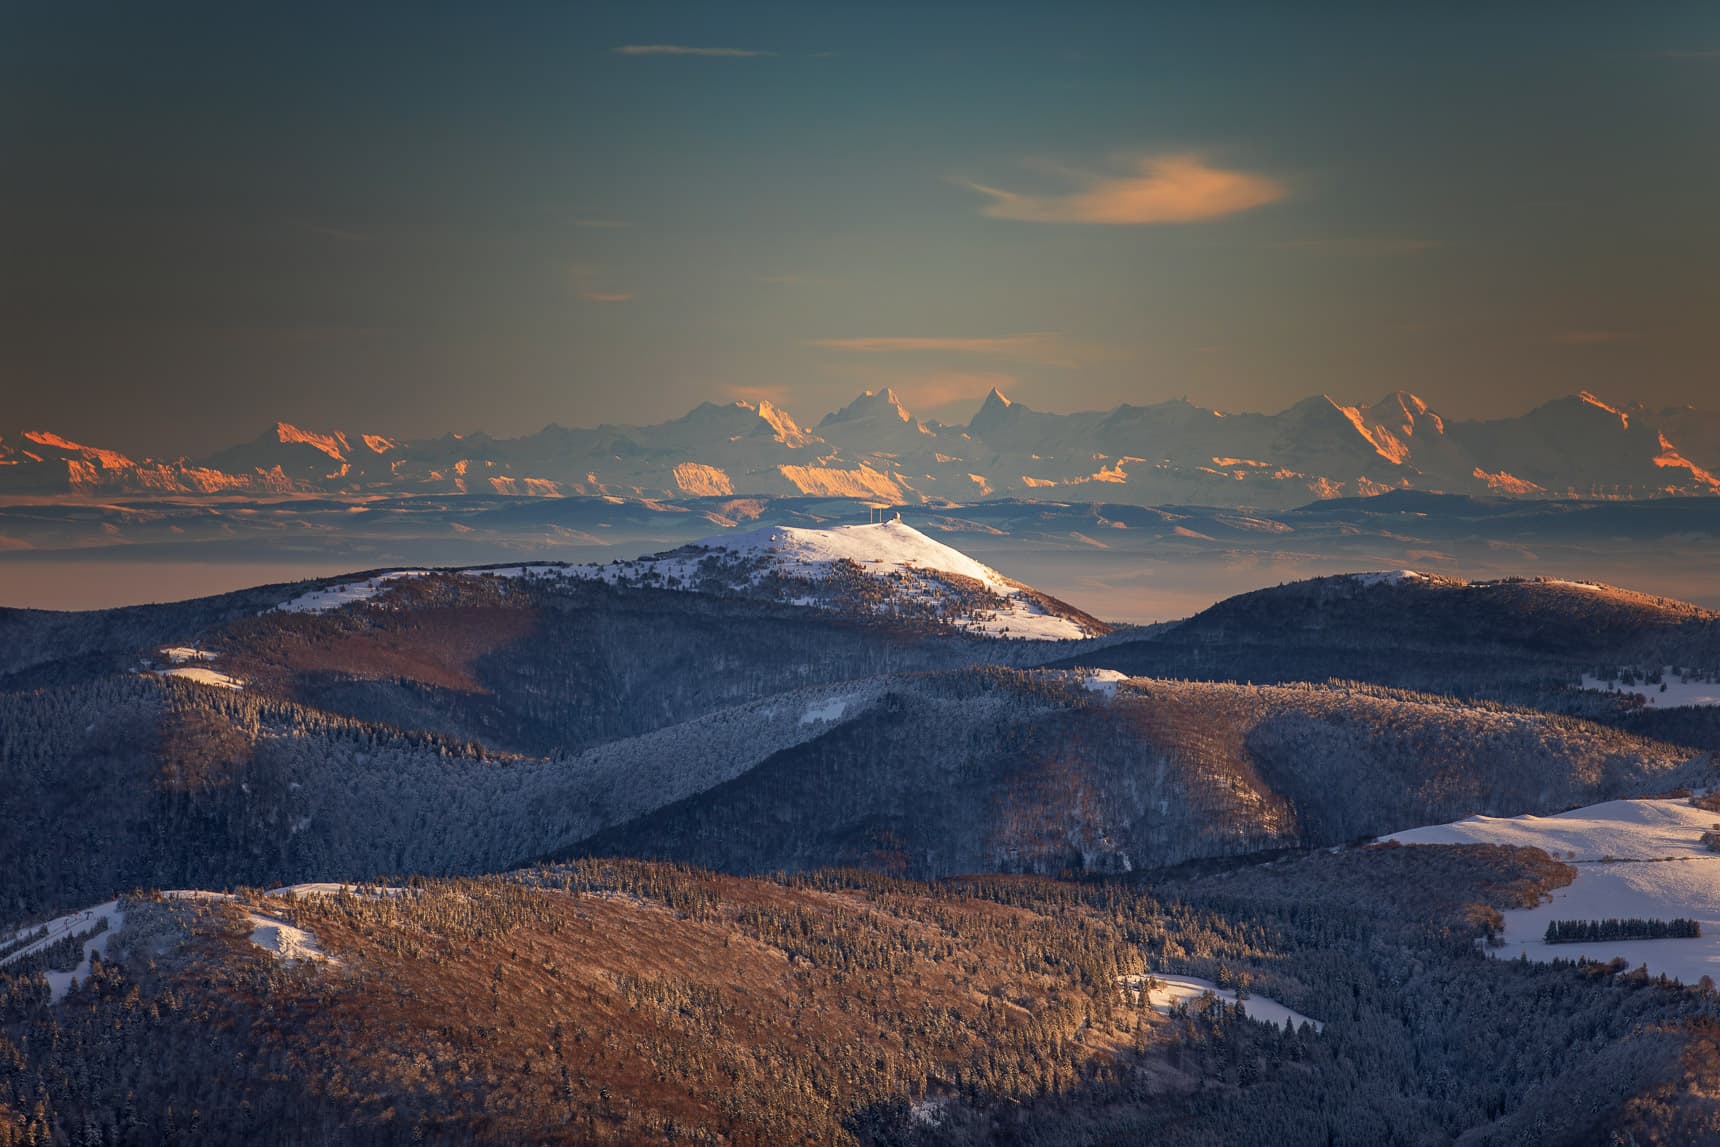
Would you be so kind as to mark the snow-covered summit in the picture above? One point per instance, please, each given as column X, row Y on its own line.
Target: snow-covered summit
column 1389, row 577
column 882, row 568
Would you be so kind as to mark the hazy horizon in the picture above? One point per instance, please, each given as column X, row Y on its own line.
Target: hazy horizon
column 606, row 213
column 952, row 416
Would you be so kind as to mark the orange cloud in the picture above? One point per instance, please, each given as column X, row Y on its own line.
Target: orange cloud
column 1159, row 189
column 944, row 388
column 587, row 282
column 775, row 395
column 1045, row 348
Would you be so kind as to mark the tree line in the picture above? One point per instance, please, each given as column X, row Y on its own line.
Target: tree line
column 1633, row 928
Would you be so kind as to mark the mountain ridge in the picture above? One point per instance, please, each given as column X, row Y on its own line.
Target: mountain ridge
column 1174, row 451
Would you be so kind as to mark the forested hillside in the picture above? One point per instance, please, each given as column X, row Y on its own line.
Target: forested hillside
column 996, row 770
column 628, row 1002
column 435, row 730
column 1527, row 641
column 144, row 781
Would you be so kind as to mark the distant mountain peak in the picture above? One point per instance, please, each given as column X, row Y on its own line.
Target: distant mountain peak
column 872, row 404
column 768, row 420
column 917, row 578
column 106, row 459
column 334, row 445
column 1588, row 398
column 783, row 427
column 1162, row 453
column 1405, row 413
column 994, row 412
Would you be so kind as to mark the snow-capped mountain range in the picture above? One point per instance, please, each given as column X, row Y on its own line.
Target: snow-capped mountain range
column 874, row 448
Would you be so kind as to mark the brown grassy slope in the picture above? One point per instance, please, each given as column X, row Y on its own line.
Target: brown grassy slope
column 755, row 1011
column 630, row 1002
column 412, row 637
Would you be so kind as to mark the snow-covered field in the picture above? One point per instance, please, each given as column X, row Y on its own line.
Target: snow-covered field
column 59, row 983
column 287, row 942
column 1389, row 577
column 825, row 711
column 334, row 596
column 1102, row 681
column 1634, row 858
column 193, row 664
column 1677, row 693
column 1177, row 988
column 203, row 676
column 181, row 654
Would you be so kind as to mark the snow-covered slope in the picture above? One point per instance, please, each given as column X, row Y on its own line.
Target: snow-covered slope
column 95, row 925
column 1173, row 990
column 886, row 568
column 1640, row 858
column 325, row 598
column 1674, row 690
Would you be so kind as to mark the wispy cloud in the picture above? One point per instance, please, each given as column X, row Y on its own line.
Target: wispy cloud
column 1157, row 189
column 775, row 395
column 1045, row 348
column 1593, row 337
column 686, row 50
column 589, row 285
column 1359, row 247
column 939, row 390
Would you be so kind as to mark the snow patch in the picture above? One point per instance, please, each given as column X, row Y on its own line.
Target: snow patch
column 347, row 593
column 1640, row 858
column 1176, row 989
column 1679, row 692
column 1104, row 681
column 59, row 983
column 1389, row 577
column 203, row 676
column 289, row 943
column 272, row 934
column 830, row 710
column 180, row 654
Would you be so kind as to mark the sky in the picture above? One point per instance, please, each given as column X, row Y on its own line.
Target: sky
column 410, row 218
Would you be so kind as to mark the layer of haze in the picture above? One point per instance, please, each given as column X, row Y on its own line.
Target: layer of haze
column 409, row 219
column 1124, row 589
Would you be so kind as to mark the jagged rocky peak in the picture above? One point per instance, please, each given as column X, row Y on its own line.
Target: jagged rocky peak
column 1406, row 414
column 1165, row 453
column 334, row 444
column 873, row 404
column 993, row 412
